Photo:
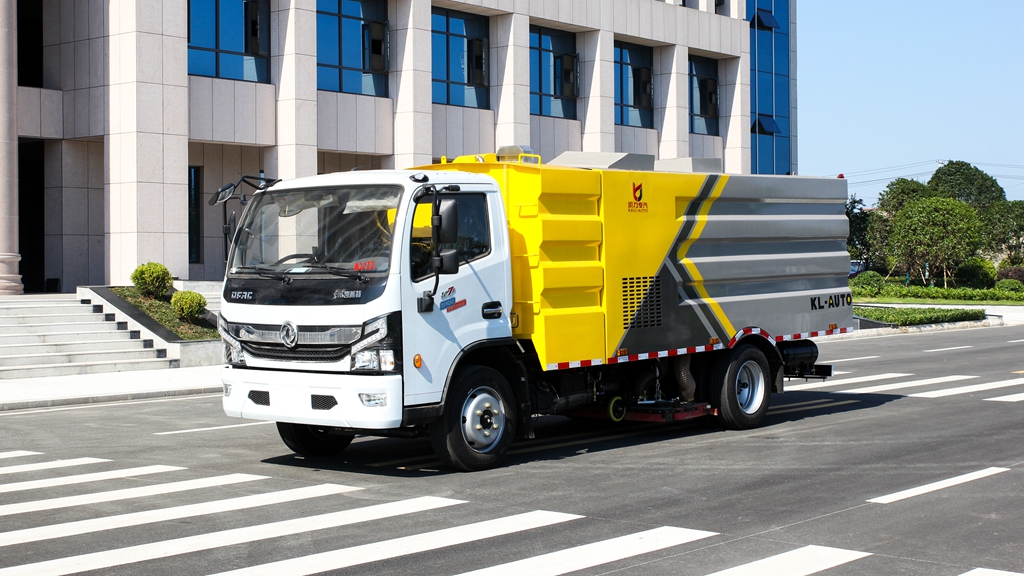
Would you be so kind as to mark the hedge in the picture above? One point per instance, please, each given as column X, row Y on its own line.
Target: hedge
column 915, row 316
column 936, row 293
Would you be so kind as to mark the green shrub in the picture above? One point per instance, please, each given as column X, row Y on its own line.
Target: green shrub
column 976, row 273
column 936, row 293
column 915, row 316
column 867, row 283
column 188, row 305
column 152, row 279
column 1010, row 285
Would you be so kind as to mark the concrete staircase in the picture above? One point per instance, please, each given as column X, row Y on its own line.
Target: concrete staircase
column 58, row 335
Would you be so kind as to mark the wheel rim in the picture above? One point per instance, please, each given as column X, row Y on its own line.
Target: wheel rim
column 749, row 387
column 483, row 419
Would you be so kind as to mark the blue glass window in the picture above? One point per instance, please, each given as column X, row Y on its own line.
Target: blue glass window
column 634, row 88
column 352, row 46
column 229, row 39
column 553, row 86
column 195, row 214
column 703, row 96
column 459, row 58
column 769, row 86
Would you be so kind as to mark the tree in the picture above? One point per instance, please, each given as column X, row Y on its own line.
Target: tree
column 1004, row 230
column 939, row 232
column 964, row 182
column 899, row 192
column 857, row 241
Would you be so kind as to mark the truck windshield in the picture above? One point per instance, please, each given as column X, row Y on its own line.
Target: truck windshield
column 344, row 231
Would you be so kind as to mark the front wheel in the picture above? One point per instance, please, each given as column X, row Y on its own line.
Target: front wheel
column 312, row 441
column 740, row 389
column 478, row 423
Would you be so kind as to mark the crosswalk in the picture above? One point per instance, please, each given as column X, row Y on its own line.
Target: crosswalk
column 902, row 384
column 94, row 519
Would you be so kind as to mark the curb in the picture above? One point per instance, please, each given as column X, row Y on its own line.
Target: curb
column 991, row 321
column 51, row 402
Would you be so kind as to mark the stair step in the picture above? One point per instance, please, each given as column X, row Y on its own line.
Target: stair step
column 79, row 345
column 61, row 327
column 86, row 368
column 65, row 337
column 83, row 357
column 31, row 300
column 88, row 316
column 36, row 309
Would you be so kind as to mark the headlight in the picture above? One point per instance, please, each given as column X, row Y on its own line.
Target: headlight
column 232, row 348
column 366, row 360
column 375, row 331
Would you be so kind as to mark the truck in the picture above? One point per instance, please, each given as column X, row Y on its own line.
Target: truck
column 463, row 299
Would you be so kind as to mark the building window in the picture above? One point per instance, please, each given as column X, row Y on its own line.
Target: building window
column 553, row 77
column 634, row 89
column 195, row 214
column 770, row 105
column 459, row 66
column 703, row 96
column 229, row 39
column 352, row 46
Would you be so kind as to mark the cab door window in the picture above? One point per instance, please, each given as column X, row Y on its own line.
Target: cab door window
column 474, row 236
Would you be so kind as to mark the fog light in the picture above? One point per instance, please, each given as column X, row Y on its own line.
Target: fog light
column 374, row 400
column 227, row 389
column 387, row 360
column 366, row 360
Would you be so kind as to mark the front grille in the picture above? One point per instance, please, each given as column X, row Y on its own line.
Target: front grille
column 641, row 302
column 300, row 353
column 322, row 402
column 261, row 397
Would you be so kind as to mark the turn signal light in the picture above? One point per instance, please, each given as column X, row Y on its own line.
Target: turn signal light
column 417, row 361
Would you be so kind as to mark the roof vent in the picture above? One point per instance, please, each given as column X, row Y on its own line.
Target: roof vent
column 605, row 160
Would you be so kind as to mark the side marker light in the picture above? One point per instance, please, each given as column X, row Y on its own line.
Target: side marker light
column 417, row 361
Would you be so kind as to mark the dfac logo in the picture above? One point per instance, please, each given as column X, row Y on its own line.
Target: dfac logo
column 637, row 205
column 289, row 335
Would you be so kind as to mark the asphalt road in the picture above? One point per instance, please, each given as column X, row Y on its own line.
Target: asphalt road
column 922, row 476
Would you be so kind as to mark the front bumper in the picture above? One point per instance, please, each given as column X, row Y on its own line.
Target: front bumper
column 288, row 397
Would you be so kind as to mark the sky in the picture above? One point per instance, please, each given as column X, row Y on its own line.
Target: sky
column 888, row 89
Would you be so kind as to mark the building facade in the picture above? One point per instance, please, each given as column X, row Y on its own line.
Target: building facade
column 120, row 118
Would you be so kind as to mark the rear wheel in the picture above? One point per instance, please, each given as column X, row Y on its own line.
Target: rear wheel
column 478, row 423
column 312, row 441
column 740, row 388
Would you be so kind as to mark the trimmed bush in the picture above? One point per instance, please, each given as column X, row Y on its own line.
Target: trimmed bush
column 976, row 272
column 867, row 284
column 1010, row 285
column 188, row 305
column 915, row 316
column 152, row 279
column 967, row 294
column 1012, row 273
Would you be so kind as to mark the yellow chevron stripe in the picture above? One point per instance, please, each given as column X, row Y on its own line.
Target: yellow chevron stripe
column 698, row 280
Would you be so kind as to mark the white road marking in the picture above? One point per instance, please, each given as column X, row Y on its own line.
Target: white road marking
column 595, row 554
column 948, row 349
column 851, row 359
column 165, row 514
column 188, row 544
column 1010, row 398
column 214, row 428
column 990, row 572
column 839, row 372
column 377, row 551
column 1013, row 342
column 799, row 562
column 845, row 381
column 127, row 493
column 899, row 385
column 969, row 389
column 80, row 478
column 911, row 492
column 17, row 453
column 50, row 465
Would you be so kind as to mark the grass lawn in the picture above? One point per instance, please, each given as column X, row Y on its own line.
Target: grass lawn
column 937, row 302
column 159, row 309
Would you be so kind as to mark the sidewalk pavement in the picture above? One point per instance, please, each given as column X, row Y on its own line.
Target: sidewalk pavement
column 22, row 393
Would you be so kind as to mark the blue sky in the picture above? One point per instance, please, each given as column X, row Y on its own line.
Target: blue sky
column 898, row 85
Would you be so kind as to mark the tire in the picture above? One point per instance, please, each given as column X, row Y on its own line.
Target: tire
column 312, row 441
column 740, row 388
column 478, row 423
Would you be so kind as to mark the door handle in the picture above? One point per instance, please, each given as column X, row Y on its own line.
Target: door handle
column 491, row 310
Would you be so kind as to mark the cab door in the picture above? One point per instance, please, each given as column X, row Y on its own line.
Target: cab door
column 470, row 306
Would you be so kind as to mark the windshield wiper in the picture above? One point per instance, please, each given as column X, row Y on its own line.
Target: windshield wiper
column 268, row 272
column 360, row 277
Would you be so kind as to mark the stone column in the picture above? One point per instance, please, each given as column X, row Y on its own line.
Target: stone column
column 672, row 101
column 147, row 143
column 734, row 110
column 510, row 79
column 293, row 72
column 10, row 280
column 598, row 91
column 410, row 84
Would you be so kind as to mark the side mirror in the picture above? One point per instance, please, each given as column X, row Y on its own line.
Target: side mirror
column 447, row 262
column 448, row 232
column 223, row 193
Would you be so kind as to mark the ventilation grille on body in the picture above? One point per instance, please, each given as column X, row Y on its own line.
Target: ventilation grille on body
column 641, row 302
column 320, row 402
column 261, row 397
